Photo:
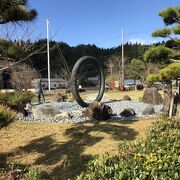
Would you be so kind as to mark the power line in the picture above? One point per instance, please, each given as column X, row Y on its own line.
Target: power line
column 63, row 60
column 117, row 36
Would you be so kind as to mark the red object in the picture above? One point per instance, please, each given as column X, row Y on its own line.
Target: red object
column 113, row 84
column 121, row 87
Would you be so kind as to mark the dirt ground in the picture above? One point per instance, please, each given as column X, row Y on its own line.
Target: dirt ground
column 63, row 150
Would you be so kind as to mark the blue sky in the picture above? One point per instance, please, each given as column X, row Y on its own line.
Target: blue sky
column 99, row 22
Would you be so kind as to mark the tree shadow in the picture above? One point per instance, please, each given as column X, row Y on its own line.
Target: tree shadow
column 67, row 158
column 3, row 158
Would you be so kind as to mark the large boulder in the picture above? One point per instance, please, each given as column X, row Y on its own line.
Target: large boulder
column 127, row 98
column 177, row 106
column 58, row 97
column 167, row 99
column 98, row 111
column 152, row 96
column 148, row 111
column 45, row 111
column 128, row 112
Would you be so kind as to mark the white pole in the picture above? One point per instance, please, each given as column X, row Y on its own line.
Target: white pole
column 122, row 56
column 111, row 70
column 48, row 57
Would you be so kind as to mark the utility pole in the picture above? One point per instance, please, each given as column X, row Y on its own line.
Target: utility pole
column 19, row 41
column 111, row 70
column 48, row 57
column 122, row 56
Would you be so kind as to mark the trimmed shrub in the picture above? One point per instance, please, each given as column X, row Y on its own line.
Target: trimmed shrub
column 158, row 157
column 6, row 115
column 17, row 98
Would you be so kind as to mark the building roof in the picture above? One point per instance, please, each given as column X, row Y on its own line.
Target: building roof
column 53, row 79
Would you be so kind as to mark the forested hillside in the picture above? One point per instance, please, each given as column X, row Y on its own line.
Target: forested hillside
column 72, row 54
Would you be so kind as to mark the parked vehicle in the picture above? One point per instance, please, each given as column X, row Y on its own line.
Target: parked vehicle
column 158, row 85
column 131, row 84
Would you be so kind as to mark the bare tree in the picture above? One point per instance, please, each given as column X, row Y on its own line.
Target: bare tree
column 21, row 77
column 64, row 74
column 21, row 33
column 114, row 67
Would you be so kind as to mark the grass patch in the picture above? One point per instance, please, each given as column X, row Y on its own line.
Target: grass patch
column 63, row 149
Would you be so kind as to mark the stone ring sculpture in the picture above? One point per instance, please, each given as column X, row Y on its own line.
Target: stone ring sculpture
column 74, row 85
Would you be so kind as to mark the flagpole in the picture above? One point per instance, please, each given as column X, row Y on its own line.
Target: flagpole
column 48, row 56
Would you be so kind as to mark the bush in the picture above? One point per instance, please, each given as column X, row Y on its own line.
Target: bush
column 17, row 98
column 21, row 171
column 158, row 157
column 6, row 115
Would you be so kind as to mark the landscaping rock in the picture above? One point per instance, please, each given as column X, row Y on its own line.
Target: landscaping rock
column 63, row 115
column 58, row 97
column 45, row 111
column 74, row 110
column 167, row 100
column 28, row 106
column 77, row 111
column 20, row 109
column 128, row 112
column 67, row 91
column 126, row 97
column 98, row 111
column 148, row 111
column 152, row 96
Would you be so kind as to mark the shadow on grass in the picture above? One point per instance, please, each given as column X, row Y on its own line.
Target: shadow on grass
column 67, row 158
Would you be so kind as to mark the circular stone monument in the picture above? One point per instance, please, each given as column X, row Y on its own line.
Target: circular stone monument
column 74, row 81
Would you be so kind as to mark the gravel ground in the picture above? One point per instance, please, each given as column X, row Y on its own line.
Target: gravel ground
column 73, row 107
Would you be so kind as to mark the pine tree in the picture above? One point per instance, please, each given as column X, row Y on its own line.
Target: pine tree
column 169, row 50
column 15, row 11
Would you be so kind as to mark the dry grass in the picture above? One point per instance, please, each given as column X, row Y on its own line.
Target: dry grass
column 118, row 95
column 114, row 95
column 64, row 149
